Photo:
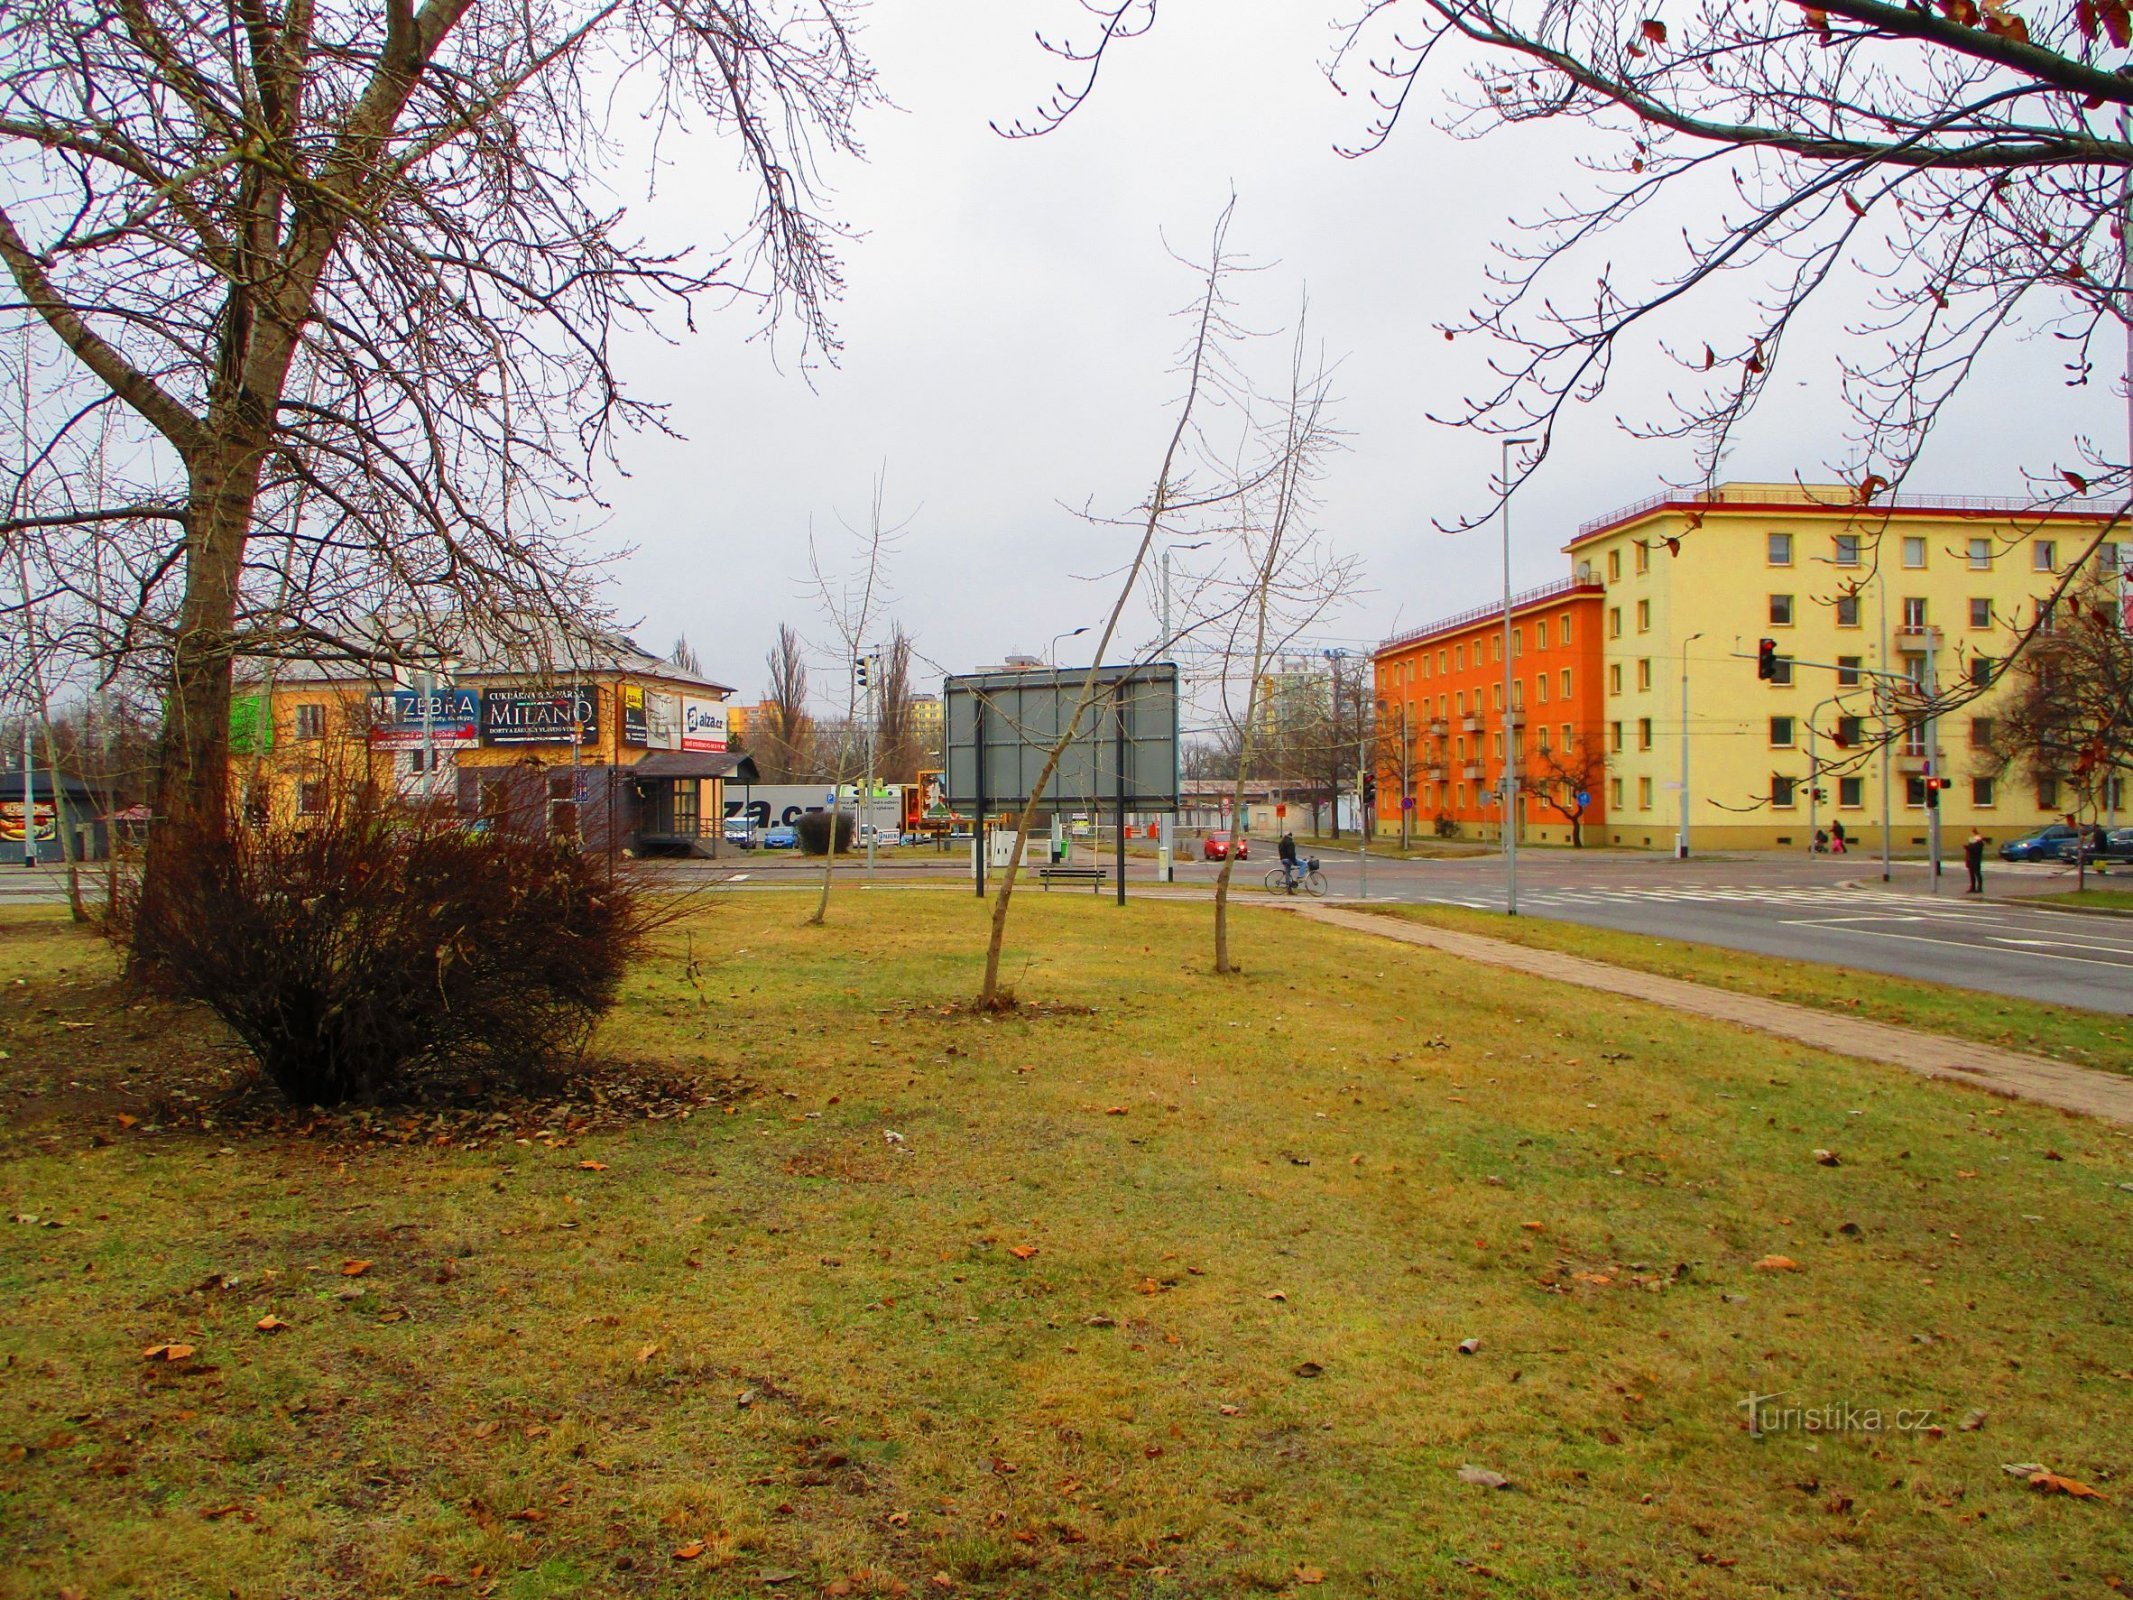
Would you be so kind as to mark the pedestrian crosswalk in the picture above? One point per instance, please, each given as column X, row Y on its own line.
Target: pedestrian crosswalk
column 1808, row 897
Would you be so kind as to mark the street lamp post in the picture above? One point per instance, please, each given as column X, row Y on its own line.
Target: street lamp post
column 1052, row 655
column 1681, row 844
column 1509, row 797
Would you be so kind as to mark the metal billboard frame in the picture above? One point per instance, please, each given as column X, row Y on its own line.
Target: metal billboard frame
column 998, row 729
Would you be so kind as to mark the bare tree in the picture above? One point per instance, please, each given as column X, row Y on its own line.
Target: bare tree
column 1565, row 777
column 852, row 602
column 1292, row 581
column 684, row 656
column 1203, row 367
column 897, row 752
column 2064, row 716
column 344, row 278
column 784, row 744
column 1961, row 168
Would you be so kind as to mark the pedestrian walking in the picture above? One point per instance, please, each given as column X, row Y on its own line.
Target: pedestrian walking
column 1974, row 860
column 1836, row 837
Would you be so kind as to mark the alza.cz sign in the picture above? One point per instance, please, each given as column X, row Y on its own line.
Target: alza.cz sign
column 545, row 716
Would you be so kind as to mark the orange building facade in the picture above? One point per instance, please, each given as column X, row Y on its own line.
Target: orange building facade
column 1442, row 722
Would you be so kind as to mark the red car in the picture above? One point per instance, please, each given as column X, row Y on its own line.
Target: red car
column 1215, row 847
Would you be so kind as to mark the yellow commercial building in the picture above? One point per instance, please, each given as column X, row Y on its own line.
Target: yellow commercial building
column 1862, row 603
column 609, row 743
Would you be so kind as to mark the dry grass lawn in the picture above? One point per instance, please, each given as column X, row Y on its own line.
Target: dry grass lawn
column 1158, row 1288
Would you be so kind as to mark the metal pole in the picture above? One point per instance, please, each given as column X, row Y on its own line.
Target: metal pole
column 873, row 710
column 426, row 682
column 1814, row 807
column 1888, row 734
column 1166, row 845
column 1362, row 821
column 1932, row 757
column 1681, row 843
column 977, row 820
column 1406, row 778
column 29, row 794
column 1118, row 719
column 1509, row 796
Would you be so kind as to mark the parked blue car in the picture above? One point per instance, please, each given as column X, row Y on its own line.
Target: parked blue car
column 780, row 839
column 2041, row 844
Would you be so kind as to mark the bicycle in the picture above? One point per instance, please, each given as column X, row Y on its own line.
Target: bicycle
column 1307, row 877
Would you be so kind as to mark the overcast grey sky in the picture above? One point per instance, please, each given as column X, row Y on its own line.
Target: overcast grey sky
column 1007, row 335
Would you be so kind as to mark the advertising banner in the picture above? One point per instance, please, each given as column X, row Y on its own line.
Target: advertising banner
column 396, row 719
column 633, row 714
column 662, row 720
column 703, row 724
column 541, row 716
column 11, row 821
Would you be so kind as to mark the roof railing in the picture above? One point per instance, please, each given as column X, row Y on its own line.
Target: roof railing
column 1795, row 495
column 1547, row 591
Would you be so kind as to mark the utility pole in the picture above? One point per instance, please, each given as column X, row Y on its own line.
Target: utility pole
column 1362, row 799
column 1889, row 701
column 1933, row 755
column 1681, row 844
column 871, row 709
column 29, row 794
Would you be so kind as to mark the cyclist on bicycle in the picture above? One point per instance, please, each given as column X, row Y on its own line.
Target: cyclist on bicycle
column 1287, row 851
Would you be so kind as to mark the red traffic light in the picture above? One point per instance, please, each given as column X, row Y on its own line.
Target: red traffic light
column 1766, row 662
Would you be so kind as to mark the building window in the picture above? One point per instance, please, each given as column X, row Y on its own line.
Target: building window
column 2047, row 794
column 1459, row 659
column 1440, row 661
column 1980, row 555
column 1914, row 792
column 2107, row 558
column 1518, row 641
column 1540, row 738
column 1781, row 611
column 1848, row 671
column 1847, row 611
column 1914, row 552
column 1781, row 733
column 1981, row 670
column 1614, row 678
column 1614, row 565
column 1980, row 612
column 1781, row 549
column 1614, row 736
column 1540, row 683
column 1914, row 612
column 1846, row 551
column 1644, row 555
column 1495, row 695
column 1614, row 793
column 1851, row 732
column 2044, row 555
column 1644, row 616
column 310, row 722
column 1566, row 683
column 1518, row 694
column 1782, row 676
column 311, row 797
column 1496, row 648
column 1614, row 622
column 1566, row 736
column 1781, row 789
column 1981, row 791
column 1644, row 673
column 1851, row 792
column 1644, row 794
column 1562, row 632
column 1644, row 733
column 1981, row 733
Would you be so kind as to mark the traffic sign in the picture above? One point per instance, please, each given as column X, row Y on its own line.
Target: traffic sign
column 1280, row 811
column 1584, row 799
column 1407, row 802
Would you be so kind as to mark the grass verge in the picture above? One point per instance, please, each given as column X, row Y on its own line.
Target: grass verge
column 1158, row 1287
column 2086, row 1038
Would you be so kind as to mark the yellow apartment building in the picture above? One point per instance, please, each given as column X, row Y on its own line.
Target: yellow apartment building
column 1924, row 590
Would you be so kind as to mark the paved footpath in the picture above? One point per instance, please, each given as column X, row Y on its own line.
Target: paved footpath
column 2007, row 1072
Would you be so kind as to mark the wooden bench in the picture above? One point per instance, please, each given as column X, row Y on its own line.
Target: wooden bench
column 1092, row 876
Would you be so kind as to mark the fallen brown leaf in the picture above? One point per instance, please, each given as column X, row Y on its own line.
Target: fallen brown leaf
column 167, row 1352
column 271, row 1324
column 1309, row 1575
column 689, row 1551
column 1777, row 1264
column 354, row 1269
column 647, row 1353
column 2052, row 1483
column 1021, row 1252
column 592, row 1166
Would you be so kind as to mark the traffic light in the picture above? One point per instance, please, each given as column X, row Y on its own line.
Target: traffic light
column 1933, row 789
column 863, row 660
column 1766, row 659
column 1370, row 791
column 1819, row 795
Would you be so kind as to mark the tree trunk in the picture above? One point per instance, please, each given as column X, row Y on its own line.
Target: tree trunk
column 191, row 794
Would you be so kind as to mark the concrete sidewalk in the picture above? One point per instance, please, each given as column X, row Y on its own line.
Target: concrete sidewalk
column 2005, row 1072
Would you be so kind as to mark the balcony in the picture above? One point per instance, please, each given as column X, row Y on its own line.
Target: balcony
column 1437, row 727
column 1471, row 724
column 1472, row 770
column 1436, row 774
